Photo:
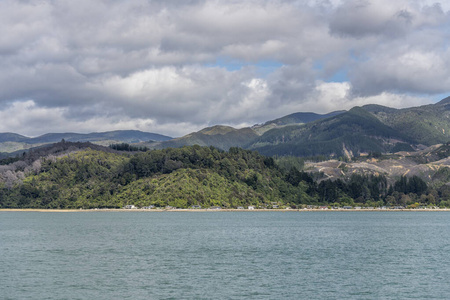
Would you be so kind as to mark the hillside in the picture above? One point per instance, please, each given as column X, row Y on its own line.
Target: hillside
column 79, row 177
column 346, row 134
column 83, row 175
column 293, row 119
column 222, row 137
column 225, row 137
column 372, row 128
column 428, row 124
column 10, row 142
column 431, row 165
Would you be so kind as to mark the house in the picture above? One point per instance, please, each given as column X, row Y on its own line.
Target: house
column 130, row 207
column 251, row 207
column 196, row 206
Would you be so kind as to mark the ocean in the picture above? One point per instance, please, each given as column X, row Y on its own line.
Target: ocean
column 224, row 255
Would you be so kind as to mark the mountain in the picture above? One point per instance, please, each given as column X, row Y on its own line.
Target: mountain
column 427, row 125
column 126, row 136
column 12, row 137
column 222, row 137
column 10, row 142
column 293, row 119
column 371, row 128
column 344, row 134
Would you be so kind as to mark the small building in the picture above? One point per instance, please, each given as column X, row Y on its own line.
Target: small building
column 251, row 207
column 196, row 207
column 130, row 207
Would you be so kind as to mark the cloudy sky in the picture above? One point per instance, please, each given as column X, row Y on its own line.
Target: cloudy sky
column 173, row 67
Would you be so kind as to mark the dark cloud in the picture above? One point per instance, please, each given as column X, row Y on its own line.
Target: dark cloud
column 360, row 18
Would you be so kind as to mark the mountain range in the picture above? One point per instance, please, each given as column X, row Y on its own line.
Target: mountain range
column 11, row 142
column 359, row 131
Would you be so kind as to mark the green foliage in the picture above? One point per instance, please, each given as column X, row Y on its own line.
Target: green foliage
column 127, row 147
column 357, row 130
column 205, row 176
column 413, row 185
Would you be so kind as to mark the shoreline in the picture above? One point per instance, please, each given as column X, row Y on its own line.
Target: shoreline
column 219, row 210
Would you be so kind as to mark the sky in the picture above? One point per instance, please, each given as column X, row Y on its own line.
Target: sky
column 174, row 67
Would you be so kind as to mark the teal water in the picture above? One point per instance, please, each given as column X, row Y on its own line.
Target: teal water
column 225, row 255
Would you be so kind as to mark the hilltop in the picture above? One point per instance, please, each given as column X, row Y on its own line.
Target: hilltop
column 11, row 142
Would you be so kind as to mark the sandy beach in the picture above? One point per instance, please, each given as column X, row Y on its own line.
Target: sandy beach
column 214, row 210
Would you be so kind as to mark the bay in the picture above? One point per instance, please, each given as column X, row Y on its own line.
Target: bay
column 224, row 255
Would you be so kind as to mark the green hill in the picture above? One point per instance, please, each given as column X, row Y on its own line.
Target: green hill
column 354, row 132
column 11, row 142
column 74, row 175
column 222, row 137
column 293, row 119
column 428, row 124
column 179, row 177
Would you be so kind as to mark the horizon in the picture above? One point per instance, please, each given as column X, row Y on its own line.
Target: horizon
column 177, row 67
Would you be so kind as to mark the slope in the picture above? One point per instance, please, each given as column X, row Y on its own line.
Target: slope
column 293, row 119
column 222, row 137
column 427, row 125
column 348, row 133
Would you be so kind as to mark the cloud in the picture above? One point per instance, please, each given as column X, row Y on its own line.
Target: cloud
column 162, row 66
column 405, row 71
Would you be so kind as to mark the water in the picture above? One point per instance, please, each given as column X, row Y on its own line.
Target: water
column 224, row 255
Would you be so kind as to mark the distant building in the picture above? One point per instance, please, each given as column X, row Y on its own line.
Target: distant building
column 130, row 207
column 251, row 207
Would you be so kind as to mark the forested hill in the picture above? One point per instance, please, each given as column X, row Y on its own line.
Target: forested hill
column 371, row 128
column 75, row 176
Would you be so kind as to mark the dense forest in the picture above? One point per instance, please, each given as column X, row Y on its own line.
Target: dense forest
column 91, row 177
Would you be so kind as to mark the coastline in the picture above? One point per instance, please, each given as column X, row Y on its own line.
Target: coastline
column 219, row 210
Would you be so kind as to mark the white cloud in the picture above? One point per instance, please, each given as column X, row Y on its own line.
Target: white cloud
column 84, row 65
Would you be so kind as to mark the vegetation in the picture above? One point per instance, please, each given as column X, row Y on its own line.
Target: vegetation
column 128, row 147
column 346, row 134
column 82, row 175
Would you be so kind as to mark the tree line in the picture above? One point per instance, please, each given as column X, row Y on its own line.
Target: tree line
column 182, row 177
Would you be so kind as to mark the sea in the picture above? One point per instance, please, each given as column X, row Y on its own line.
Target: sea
column 224, row 255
